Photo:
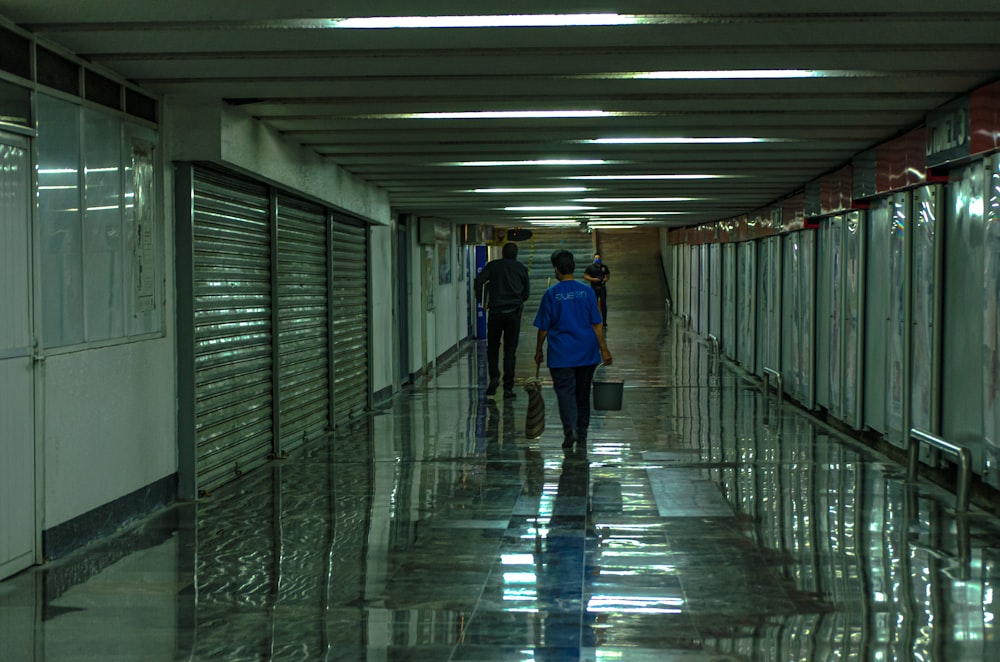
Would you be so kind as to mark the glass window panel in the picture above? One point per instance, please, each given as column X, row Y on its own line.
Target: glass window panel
column 60, row 236
column 102, row 223
column 15, row 53
column 15, row 104
column 140, row 105
column 57, row 72
column 102, row 90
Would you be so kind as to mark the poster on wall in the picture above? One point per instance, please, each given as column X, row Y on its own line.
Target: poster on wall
column 144, row 262
column 429, row 278
column 444, row 263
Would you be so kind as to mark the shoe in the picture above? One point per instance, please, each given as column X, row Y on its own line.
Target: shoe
column 569, row 440
column 492, row 388
column 581, row 438
column 508, row 393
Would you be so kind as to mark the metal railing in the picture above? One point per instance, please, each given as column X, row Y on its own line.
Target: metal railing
column 713, row 343
column 961, row 453
column 771, row 372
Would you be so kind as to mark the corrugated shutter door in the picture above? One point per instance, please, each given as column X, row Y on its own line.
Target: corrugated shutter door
column 303, row 328
column 232, row 302
column 350, row 319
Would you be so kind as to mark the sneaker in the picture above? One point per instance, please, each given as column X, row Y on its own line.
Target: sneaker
column 508, row 393
column 492, row 388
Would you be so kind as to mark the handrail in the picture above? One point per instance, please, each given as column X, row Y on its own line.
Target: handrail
column 961, row 453
column 771, row 372
column 963, row 548
column 713, row 342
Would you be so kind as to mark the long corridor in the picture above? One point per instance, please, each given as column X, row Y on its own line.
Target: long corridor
column 704, row 522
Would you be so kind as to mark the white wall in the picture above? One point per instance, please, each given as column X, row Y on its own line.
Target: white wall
column 109, row 414
column 203, row 130
column 450, row 304
column 435, row 332
column 110, row 424
column 383, row 308
column 417, row 314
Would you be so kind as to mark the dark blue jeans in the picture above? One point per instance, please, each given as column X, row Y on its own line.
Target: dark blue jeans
column 602, row 301
column 572, row 386
column 508, row 327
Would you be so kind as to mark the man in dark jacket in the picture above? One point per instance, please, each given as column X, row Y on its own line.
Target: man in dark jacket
column 506, row 290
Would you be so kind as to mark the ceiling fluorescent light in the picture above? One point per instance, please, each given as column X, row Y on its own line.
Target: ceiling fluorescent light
column 637, row 199
column 610, row 221
column 648, row 177
column 550, row 208
column 499, row 115
column 612, row 226
column 554, row 224
column 679, row 141
column 510, row 21
column 552, row 219
column 552, row 189
column 735, row 74
column 539, row 162
column 636, row 213
column 739, row 74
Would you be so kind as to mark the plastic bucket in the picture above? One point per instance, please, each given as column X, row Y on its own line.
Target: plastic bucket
column 608, row 395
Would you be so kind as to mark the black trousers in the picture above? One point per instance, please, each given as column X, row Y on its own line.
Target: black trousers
column 572, row 387
column 505, row 326
column 602, row 301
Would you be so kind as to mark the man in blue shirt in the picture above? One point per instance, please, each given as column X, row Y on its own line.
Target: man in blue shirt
column 569, row 318
column 504, row 285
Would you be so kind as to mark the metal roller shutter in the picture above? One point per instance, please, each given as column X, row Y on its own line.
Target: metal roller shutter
column 232, row 327
column 350, row 319
column 303, row 332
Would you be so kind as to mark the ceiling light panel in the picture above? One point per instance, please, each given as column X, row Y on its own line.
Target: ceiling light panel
column 486, row 21
column 551, row 189
column 497, row 115
column 653, row 177
column 736, row 74
column 550, row 208
column 537, row 162
column 637, row 199
column 679, row 140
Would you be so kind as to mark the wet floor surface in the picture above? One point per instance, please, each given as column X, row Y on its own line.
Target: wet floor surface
column 703, row 522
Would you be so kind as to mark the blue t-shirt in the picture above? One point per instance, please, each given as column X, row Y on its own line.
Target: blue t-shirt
column 568, row 312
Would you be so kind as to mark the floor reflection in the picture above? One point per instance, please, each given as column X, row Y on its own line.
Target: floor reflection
column 704, row 522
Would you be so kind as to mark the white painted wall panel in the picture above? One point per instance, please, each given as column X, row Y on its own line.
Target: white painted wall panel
column 962, row 412
column 17, row 440
column 876, row 316
column 15, row 260
column 110, row 425
column 17, row 467
column 382, row 296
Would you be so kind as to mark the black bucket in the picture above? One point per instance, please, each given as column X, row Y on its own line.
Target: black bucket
column 608, row 395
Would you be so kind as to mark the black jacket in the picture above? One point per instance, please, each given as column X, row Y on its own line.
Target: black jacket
column 507, row 283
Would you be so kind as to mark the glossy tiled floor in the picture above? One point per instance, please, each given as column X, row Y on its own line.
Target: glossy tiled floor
column 703, row 523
